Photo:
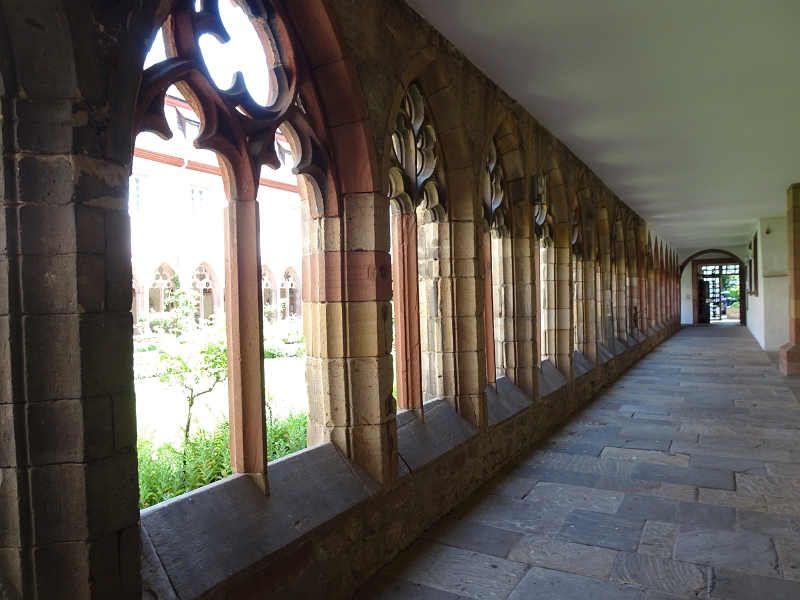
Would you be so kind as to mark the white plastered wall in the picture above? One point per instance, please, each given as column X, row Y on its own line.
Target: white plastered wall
column 768, row 311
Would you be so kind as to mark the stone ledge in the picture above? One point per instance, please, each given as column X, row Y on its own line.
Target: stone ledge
column 419, row 442
column 550, row 379
column 204, row 537
column 581, row 365
column 505, row 400
column 604, row 354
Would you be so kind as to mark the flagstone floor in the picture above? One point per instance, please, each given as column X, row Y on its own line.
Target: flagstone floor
column 681, row 480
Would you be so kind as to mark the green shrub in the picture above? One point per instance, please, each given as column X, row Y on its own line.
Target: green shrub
column 162, row 474
column 286, row 435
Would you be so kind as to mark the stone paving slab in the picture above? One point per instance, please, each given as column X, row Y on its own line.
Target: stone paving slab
column 573, row 496
column 606, row 531
column 710, row 478
column 554, row 475
column 564, row 556
column 394, row 588
column 658, row 539
column 544, row 584
column 681, row 480
column 511, row 487
column 788, row 550
column 740, row 551
column 461, row 572
column 473, row 536
column 537, row 518
column 647, row 456
column 736, row 585
column 661, row 574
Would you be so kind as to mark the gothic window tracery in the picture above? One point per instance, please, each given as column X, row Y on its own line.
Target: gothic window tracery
column 238, row 125
column 495, row 212
column 288, row 294
column 161, row 288
column 204, row 284
column 412, row 182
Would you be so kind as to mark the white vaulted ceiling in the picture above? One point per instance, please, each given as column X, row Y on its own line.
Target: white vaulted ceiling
column 688, row 109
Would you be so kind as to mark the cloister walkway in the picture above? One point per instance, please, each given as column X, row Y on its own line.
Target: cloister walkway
column 681, row 480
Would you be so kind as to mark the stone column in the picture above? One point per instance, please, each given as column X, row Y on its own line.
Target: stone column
column 790, row 353
column 69, row 513
column 521, row 350
column 347, row 321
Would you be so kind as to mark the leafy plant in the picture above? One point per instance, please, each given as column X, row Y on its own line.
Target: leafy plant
column 167, row 471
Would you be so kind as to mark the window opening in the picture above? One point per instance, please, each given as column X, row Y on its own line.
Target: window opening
column 221, row 77
column 416, row 202
column 495, row 220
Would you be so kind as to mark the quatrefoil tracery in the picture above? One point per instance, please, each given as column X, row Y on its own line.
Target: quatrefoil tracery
column 233, row 125
column 412, row 181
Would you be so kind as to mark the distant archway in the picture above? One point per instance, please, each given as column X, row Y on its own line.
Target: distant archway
column 709, row 251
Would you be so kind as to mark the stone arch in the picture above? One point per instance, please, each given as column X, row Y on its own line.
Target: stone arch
column 161, row 285
column 502, row 183
column 338, row 124
column 290, row 293
column 269, row 293
column 555, row 270
column 205, row 281
column 689, row 259
column 587, row 274
column 447, row 365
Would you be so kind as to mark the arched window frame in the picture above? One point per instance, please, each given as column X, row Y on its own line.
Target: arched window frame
column 242, row 134
column 415, row 194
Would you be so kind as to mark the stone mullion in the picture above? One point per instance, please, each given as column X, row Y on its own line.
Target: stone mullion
column 244, row 316
column 488, row 309
column 406, row 311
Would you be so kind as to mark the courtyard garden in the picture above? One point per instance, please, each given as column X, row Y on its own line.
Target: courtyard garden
column 180, row 369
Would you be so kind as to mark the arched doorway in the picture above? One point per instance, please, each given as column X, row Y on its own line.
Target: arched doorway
column 714, row 284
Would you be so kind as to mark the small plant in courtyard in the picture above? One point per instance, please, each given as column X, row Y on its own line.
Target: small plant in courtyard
column 204, row 457
column 194, row 355
column 167, row 471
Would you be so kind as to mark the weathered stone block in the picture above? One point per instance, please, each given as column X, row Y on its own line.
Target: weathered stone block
column 52, row 365
column 10, row 531
column 63, row 571
column 106, row 353
column 112, row 493
column 44, row 179
column 369, row 328
column 366, row 222
column 46, row 229
column 43, row 126
column 48, row 284
column 124, row 419
column 370, row 384
column 58, row 503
